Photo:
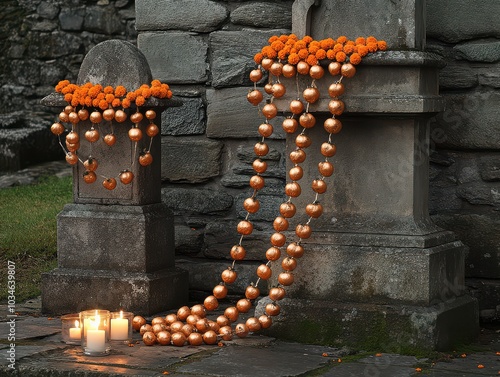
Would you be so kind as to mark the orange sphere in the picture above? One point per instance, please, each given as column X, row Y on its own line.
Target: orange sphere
column 307, row 120
column 253, row 324
column 136, row 117
column 265, row 321
column 264, row 272
column 336, row 106
column 229, row 275
column 293, row 189
column 273, row 253
column 278, row 239
column 170, row 318
column 276, row 68
column 257, row 182
column 319, row 186
column 266, row 63
column 226, row 332
column 295, row 250
column 231, row 313
column 336, row 89
column 289, row 264
column 251, row 205
column 243, row 305
column 328, row 150
column 137, row 322
column 303, row 141
column 220, row 291
column 289, row 70
column 286, row 278
column 279, row 90
column 255, row 75
column 198, row 310
column 316, row 72
column 297, row 156
column 303, row 67
column 280, row 224
column 266, row 129
column 120, row 116
column 245, row 227
column 290, row 125
column 211, row 303
column 135, row 134
column 210, row 337
column 72, row 137
column 314, row 210
column 57, row 128
column 252, row 292
column 272, row 309
column 183, row 312
column 303, row 231
column 238, row 252
column 325, row 168
column 287, row 210
column 270, row 110
column 255, row 97
column 222, row 321
column 261, row 149
column 347, row 70
column 178, row 339
column 296, row 106
column 311, row 94
column 334, row 68
column 259, row 165
column 195, row 339
column 276, row 293
column 241, row 330
column 108, row 114
column 332, row 125
column 149, row 338
column 296, row 173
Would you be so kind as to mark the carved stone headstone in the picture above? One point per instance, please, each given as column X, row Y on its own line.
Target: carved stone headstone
column 116, row 247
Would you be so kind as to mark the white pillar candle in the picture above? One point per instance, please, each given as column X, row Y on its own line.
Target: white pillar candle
column 96, row 340
column 119, row 328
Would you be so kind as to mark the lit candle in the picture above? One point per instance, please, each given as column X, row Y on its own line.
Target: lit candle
column 96, row 338
column 75, row 333
column 119, row 328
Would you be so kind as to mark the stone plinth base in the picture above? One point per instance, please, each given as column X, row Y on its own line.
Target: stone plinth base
column 384, row 328
column 380, row 269
column 73, row 290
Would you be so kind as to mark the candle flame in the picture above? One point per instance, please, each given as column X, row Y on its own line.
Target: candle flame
column 77, row 323
column 121, row 313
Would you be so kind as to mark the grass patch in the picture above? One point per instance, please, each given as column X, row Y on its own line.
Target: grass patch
column 28, row 232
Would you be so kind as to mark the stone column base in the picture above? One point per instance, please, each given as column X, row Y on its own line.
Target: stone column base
column 68, row 290
column 370, row 327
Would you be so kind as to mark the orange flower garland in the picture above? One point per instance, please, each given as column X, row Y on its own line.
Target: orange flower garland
column 291, row 49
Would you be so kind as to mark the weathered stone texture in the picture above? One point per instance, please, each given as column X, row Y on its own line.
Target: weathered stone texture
column 456, row 20
column 230, row 115
column 232, row 55
column 192, row 15
column 486, row 52
column 266, row 15
column 457, row 76
column 196, row 201
column 189, row 119
column 176, row 58
column 469, row 121
column 190, row 160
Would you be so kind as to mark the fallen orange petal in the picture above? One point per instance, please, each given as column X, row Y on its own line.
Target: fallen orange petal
column 339, row 360
column 324, row 354
column 418, row 370
column 480, row 366
column 165, row 372
column 378, row 354
column 463, row 355
column 497, row 353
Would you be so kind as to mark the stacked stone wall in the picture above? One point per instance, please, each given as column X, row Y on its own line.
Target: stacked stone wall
column 204, row 49
column 465, row 163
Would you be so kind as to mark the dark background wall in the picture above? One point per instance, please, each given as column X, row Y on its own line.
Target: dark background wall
column 208, row 142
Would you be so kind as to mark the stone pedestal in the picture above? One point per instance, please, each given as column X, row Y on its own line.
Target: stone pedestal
column 376, row 271
column 116, row 247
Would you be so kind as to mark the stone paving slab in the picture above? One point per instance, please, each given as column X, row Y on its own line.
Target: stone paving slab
column 489, row 360
column 279, row 359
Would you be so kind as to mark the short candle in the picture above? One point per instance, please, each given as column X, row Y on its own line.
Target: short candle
column 75, row 333
column 119, row 328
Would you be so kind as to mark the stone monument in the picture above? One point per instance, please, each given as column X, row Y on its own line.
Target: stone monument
column 116, row 247
column 377, row 273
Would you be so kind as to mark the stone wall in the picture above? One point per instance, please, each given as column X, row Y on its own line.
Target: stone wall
column 41, row 43
column 203, row 48
column 465, row 163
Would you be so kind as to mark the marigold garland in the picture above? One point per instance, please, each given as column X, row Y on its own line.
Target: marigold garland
column 90, row 95
column 291, row 49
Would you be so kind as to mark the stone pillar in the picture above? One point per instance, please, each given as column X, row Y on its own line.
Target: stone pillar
column 377, row 273
column 116, row 247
